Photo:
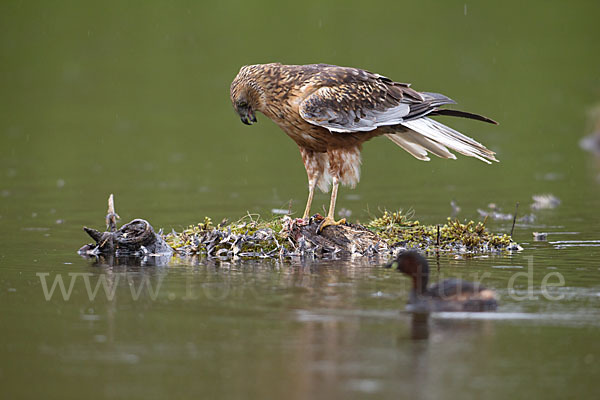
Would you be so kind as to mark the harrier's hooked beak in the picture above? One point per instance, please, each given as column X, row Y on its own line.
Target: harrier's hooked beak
column 247, row 116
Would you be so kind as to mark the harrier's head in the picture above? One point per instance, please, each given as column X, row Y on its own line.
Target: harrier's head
column 247, row 96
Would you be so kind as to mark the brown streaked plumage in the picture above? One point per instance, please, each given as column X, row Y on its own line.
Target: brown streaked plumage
column 329, row 111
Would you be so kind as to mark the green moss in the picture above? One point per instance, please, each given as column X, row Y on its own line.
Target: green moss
column 397, row 229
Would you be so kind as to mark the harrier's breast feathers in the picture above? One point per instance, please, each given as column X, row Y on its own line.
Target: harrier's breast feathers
column 365, row 106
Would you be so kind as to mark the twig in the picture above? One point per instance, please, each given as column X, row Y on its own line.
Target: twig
column 437, row 248
column 111, row 215
column 514, row 220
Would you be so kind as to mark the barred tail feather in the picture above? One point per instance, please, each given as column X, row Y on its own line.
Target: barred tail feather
column 418, row 145
column 444, row 137
column 417, row 151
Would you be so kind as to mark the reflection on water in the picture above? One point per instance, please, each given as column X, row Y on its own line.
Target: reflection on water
column 419, row 326
column 110, row 260
column 132, row 99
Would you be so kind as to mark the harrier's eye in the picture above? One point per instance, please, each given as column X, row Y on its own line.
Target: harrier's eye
column 242, row 104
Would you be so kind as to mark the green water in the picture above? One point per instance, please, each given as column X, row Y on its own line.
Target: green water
column 132, row 99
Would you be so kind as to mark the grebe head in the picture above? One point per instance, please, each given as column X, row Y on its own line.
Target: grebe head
column 413, row 264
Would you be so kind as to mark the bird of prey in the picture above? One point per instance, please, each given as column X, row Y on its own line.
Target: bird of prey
column 330, row 111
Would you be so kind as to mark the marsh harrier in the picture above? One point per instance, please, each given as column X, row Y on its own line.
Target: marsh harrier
column 330, row 111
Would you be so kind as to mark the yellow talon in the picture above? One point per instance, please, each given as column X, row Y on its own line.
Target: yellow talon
column 329, row 221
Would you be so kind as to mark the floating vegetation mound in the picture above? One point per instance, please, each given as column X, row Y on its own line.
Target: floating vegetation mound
column 252, row 237
column 285, row 237
column 248, row 238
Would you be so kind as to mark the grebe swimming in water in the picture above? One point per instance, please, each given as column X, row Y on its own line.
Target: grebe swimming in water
column 448, row 295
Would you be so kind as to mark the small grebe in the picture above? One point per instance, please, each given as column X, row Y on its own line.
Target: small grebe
column 448, row 295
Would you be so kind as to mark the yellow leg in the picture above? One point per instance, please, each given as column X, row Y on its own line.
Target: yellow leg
column 334, row 191
column 329, row 220
column 311, row 192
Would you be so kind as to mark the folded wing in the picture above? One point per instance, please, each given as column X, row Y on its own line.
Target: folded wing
column 366, row 105
column 361, row 102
